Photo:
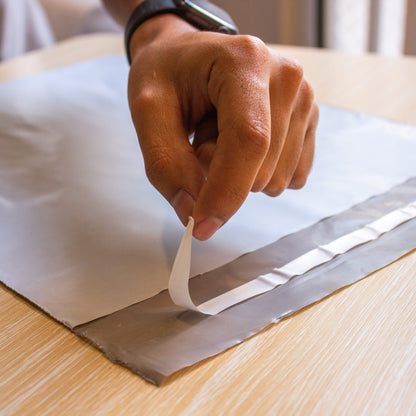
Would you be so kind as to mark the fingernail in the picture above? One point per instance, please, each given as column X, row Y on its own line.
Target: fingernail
column 183, row 204
column 206, row 228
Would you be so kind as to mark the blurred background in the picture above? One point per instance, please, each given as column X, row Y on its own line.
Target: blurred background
column 387, row 27
column 382, row 26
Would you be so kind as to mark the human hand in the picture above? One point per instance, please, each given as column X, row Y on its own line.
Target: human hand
column 252, row 113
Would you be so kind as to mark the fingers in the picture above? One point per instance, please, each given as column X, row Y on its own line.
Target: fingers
column 285, row 142
column 286, row 78
column 294, row 143
column 241, row 97
column 170, row 162
column 205, row 140
column 305, row 161
column 253, row 114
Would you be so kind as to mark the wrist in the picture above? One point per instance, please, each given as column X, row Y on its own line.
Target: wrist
column 157, row 28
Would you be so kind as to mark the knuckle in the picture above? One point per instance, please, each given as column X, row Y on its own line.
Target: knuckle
column 299, row 180
column 257, row 187
column 276, row 187
column 146, row 97
column 252, row 48
column 314, row 115
column 306, row 98
column 260, row 182
column 158, row 163
column 308, row 93
column 257, row 136
column 292, row 70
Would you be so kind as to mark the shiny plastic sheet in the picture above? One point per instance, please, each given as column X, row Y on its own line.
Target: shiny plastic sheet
column 155, row 338
column 322, row 254
column 83, row 233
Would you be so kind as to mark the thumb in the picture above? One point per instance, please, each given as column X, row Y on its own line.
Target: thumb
column 170, row 161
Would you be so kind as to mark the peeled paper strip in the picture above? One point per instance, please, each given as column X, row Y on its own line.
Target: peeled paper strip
column 179, row 278
column 172, row 338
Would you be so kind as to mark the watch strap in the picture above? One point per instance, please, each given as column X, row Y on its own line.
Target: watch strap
column 144, row 11
column 150, row 8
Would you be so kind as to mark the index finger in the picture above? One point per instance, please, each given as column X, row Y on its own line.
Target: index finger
column 241, row 98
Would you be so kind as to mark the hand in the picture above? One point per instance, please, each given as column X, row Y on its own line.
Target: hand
column 252, row 113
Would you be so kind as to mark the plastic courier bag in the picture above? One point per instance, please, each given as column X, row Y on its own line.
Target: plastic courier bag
column 84, row 235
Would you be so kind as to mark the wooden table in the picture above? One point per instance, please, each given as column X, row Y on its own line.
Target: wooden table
column 352, row 353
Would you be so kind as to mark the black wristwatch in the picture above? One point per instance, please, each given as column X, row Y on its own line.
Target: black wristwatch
column 200, row 13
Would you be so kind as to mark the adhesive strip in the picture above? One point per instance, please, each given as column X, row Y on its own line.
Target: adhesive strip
column 180, row 274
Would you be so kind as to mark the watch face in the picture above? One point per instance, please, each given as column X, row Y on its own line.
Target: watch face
column 207, row 16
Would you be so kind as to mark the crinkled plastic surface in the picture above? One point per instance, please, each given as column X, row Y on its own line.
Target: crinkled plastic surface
column 83, row 233
column 155, row 338
column 318, row 256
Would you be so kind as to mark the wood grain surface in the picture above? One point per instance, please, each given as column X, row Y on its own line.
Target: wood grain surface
column 352, row 353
